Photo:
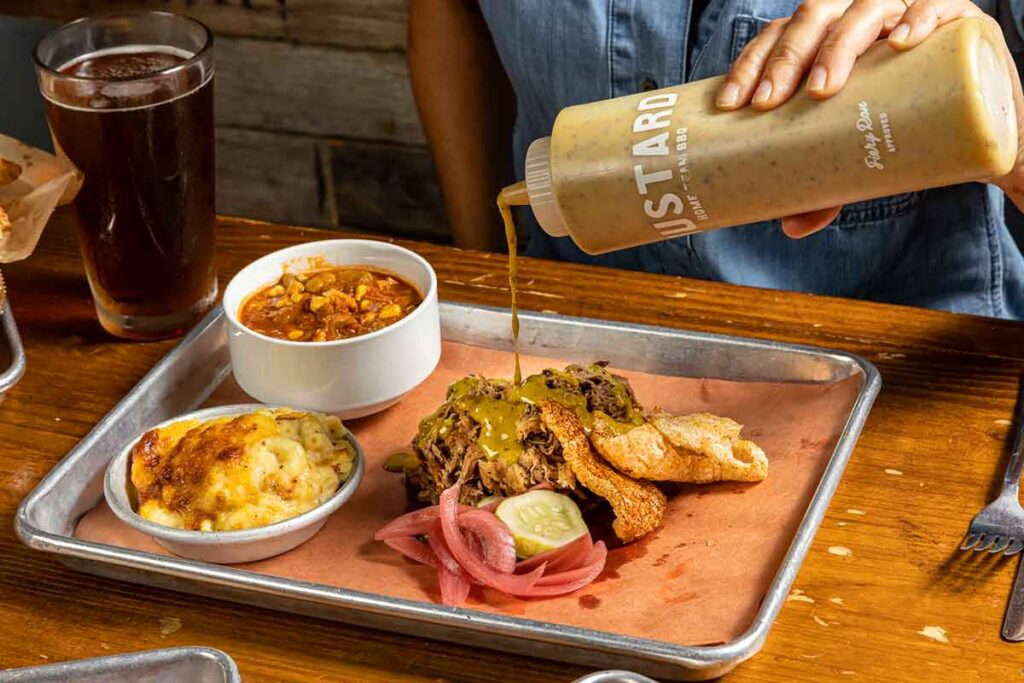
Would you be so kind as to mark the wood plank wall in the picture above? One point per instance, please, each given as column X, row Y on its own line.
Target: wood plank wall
column 316, row 120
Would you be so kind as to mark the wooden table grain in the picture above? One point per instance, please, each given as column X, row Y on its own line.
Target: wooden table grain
column 904, row 604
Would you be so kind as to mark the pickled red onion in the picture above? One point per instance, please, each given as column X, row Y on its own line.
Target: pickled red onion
column 469, row 545
column 454, row 587
column 413, row 549
column 596, row 558
column 451, row 577
column 573, row 580
column 569, row 556
column 440, row 547
column 415, row 523
column 499, row 548
column 513, row 584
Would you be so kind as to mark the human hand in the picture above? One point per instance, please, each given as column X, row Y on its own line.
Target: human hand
column 822, row 41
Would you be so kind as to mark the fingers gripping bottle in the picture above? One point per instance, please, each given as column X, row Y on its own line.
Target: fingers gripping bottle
column 662, row 164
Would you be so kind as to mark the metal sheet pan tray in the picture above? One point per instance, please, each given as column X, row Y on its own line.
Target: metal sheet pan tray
column 170, row 665
column 188, row 376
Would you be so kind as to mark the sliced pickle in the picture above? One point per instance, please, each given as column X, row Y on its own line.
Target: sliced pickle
column 541, row 521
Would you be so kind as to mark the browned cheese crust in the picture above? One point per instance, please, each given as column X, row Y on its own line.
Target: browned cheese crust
column 698, row 449
column 638, row 505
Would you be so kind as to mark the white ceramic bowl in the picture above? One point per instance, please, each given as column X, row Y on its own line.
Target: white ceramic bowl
column 225, row 547
column 349, row 377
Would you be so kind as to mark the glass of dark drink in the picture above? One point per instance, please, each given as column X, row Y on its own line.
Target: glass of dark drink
column 129, row 100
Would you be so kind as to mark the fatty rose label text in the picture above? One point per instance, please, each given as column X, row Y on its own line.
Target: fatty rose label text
column 876, row 139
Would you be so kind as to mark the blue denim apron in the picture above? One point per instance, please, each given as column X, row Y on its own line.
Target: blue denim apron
column 947, row 248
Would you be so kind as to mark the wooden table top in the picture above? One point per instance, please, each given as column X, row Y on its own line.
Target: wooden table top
column 930, row 456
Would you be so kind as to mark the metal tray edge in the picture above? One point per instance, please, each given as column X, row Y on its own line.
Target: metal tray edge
column 166, row 655
column 751, row 642
column 865, row 366
column 695, row 658
column 47, row 482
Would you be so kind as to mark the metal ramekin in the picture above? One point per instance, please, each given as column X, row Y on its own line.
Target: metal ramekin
column 226, row 547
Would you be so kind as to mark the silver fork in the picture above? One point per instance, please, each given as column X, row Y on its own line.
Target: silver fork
column 999, row 527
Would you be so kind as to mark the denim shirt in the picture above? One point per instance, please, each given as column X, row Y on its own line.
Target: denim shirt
column 947, row 248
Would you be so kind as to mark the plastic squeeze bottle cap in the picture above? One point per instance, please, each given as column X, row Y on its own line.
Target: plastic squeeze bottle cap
column 538, row 185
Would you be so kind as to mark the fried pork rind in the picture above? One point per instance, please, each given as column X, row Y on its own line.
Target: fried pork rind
column 9, row 172
column 698, row 449
column 638, row 505
column 5, row 221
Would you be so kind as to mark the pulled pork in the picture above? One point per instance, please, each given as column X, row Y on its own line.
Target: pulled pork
column 447, row 450
column 605, row 392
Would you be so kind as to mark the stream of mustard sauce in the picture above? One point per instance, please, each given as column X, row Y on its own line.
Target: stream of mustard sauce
column 499, row 418
column 509, row 196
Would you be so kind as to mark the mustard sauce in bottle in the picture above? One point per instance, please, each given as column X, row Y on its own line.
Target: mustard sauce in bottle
column 662, row 164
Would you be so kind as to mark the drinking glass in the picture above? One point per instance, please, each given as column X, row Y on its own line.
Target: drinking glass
column 129, row 100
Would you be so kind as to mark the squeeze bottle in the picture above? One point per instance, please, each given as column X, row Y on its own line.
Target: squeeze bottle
column 661, row 164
